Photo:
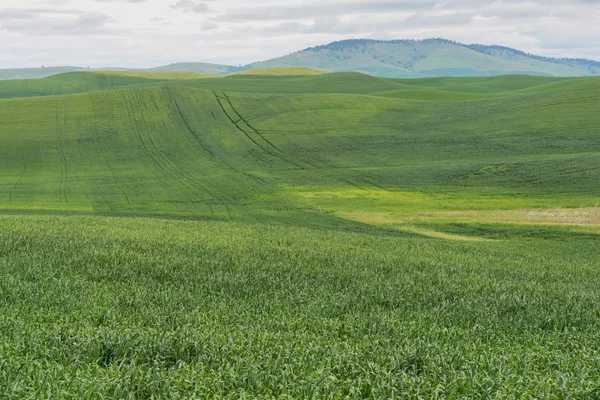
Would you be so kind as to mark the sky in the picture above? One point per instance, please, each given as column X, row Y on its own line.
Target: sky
column 148, row 33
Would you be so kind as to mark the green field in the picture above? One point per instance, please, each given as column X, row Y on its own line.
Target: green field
column 299, row 236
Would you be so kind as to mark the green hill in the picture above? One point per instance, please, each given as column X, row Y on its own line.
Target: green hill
column 245, row 146
column 325, row 236
column 431, row 57
column 349, row 82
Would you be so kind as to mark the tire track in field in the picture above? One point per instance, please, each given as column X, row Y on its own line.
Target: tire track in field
column 128, row 114
column 182, row 176
column 238, row 127
column 288, row 159
column 60, row 151
column 345, row 180
column 223, row 163
column 187, row 124
column 185, row 179
column 249, row 137
column 174, row 172
column 269, row 149
column 129, row 103
column 10, row 195
column 198, row 140
column 201, row 186
column 112, row 172
column 242, row 119
column 56, row 147
column 276, row 152
column 293, row 162
column 63, row 146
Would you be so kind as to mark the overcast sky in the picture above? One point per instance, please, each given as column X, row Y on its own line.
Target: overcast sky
column 146, row 33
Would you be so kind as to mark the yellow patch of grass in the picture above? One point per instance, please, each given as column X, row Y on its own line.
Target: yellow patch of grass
column 442, row 235
column 375, row 218
column 366, row 193
column 398, row 221
column 555, row 216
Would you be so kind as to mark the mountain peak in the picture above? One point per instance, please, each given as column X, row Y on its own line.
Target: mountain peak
column 409, row 58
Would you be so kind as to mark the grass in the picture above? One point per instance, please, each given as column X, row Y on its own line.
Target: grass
column 198, row 148
column 299, row 236
column 107, row 307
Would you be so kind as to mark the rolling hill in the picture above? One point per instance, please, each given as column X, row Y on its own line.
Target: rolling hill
column 299, row 236
column 245, row 146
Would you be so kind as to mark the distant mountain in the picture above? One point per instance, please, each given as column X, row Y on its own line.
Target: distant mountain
column 430, row 57
column 390, row 59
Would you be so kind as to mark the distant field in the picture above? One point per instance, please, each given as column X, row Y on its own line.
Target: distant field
column 168, row 235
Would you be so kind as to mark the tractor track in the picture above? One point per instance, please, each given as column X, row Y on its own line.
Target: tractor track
column 60, row 151
column 240, row 128
column 275, row 152
column 110, row 168
column 179, row 114
column 179, row 175
column 360, row 185
column 14, row 187
column 242, row 119
column 145, row 146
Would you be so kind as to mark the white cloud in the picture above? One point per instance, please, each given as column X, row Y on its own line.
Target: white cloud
column 190, row 6
column 144, row 33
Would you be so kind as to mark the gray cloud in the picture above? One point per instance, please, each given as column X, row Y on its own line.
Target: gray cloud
column 311, row 10
column 121, row 1
column 27, row 13
column 209, row 26
column 54, row 22
column 427, row 20
column 191, row 6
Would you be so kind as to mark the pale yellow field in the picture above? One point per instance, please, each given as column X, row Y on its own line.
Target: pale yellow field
column 576, row 219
